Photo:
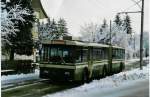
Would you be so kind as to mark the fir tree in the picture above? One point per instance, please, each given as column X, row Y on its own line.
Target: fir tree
column 62, row 29
column 54, row 30
column 118, row 20
column 104, row 32
column 104, row 25
column 127, row 24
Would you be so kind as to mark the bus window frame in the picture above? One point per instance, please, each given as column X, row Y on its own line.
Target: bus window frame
column 49, row 53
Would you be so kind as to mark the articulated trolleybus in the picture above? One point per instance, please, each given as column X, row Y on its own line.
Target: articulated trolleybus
column 63, row 60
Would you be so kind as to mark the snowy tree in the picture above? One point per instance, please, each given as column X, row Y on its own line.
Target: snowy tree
column 48, row 30
column 17, row 19
column 122, row 35
column 104, row 35
column 44, row 30
column 95, row 33
column 118, row 20
column 88, row 32
column 104, row 25
column 101, row 34
column 52, row 29
column 7, row 25
column 62, row 28
column 127, row 24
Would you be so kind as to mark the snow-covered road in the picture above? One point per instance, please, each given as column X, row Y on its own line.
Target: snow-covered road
column 10, row 80
column 119, row 85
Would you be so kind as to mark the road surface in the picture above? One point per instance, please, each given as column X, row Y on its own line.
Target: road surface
column 138, row 89
column 141, row 90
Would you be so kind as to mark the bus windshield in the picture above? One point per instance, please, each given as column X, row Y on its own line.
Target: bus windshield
column 57, row 54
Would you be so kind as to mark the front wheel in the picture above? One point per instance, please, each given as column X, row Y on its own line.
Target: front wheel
column 85, row 76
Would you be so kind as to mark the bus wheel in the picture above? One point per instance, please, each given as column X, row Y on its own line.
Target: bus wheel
column 104, row 73
column 85, row 77
column 121, row 66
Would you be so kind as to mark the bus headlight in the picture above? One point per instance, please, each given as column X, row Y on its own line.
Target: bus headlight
column 67, row 73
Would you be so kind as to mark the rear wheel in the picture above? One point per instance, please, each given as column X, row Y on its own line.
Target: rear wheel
column 104, row 73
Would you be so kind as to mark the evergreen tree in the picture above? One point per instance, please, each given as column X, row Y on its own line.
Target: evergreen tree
column 48, row 31
column 104, row 25
column 104, row 33
column 127, row 24
column 118, row 20
column 54, row 30
column 22, row 42
column 62, row 29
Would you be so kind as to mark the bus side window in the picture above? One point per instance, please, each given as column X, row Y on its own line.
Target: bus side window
column 65, row 53
column 53, row 52
column 102, row 55
column 94, row 53
column 121, row 51
column 45, row 55
column 113, row 53
column 117, row 53
column 78, row 55
column 84, row 55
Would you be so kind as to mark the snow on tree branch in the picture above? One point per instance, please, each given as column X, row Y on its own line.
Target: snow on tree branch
column 8, row 17
column 101, row 34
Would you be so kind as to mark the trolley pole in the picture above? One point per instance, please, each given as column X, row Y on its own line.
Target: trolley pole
column 141, row 36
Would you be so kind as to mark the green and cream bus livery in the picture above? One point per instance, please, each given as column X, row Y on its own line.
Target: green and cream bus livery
column 79, row 61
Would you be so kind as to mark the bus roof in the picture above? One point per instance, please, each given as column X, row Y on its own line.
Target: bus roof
column 77, row 43
column 118, row 47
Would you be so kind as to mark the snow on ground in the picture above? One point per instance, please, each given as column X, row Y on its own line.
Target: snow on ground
column 102, row 86
column 6, row 80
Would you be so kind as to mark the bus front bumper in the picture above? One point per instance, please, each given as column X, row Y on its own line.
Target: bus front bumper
column 57, row 74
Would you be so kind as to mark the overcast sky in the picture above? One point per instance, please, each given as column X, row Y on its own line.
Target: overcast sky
column 79, row 12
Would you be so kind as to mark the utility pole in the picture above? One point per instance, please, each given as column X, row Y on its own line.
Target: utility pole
column 142, row 25
column 110, row 33
column 141, row 36
column 110, row 50
column 92, row 36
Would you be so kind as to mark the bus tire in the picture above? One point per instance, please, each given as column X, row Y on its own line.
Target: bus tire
column 85, row 76
column 104, row 73
column 122, row 67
